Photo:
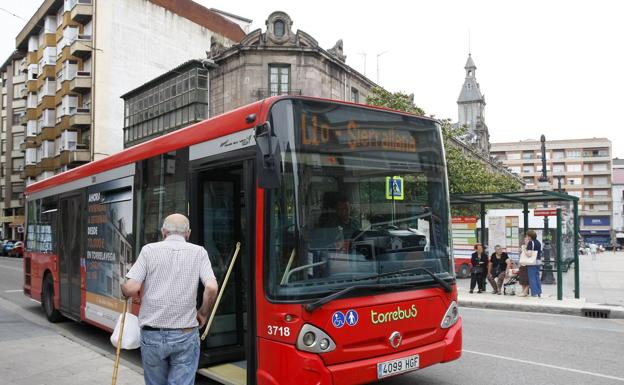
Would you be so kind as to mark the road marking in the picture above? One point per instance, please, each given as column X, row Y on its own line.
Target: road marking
column 546, row 365
column 14, row 291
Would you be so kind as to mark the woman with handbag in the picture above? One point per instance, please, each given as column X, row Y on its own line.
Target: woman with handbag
column 530, row 259
column 479, row 262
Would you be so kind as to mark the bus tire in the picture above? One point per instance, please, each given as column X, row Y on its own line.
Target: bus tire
column 47, row 300
column 464, row 271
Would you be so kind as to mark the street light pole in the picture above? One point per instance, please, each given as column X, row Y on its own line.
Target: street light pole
column 378, row 55
column 548, row 277
column 363, row 54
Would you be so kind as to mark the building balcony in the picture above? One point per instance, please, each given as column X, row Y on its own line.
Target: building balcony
column 80, row 117
column 82, row 11
column 30, row 171
column 595, row 199
column 81, row 83
column 81, row 47
column 74, row 157
column 16, row 203
column 21, row 78
column 263, row 93
column 600, row 186
column 596, row 159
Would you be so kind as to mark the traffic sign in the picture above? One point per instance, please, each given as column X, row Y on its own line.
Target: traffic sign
column 394, row 188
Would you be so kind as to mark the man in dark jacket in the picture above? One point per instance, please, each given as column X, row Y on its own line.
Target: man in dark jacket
column 497, row 268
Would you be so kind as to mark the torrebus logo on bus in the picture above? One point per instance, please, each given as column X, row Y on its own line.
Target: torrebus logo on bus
column 396, row 315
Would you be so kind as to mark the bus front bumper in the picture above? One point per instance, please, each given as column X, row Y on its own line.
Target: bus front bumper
column 278, row 363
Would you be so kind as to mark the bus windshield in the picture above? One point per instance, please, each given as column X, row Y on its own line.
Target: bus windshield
column 363, row 194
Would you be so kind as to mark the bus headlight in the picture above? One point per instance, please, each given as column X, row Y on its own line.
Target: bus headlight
column 314, row 340
column 309, row 339
column 450, row 317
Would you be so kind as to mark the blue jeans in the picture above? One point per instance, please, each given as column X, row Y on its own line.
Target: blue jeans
column 169, row 357
column 534, row 280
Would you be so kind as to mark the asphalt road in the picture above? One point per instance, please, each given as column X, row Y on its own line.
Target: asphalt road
column 499, row 347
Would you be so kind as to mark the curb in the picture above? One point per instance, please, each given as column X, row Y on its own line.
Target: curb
column 613, row 312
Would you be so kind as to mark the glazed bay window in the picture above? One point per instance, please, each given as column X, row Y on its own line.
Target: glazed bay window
column 279, row 79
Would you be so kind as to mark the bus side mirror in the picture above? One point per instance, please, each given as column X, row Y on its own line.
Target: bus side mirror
column 267, row 157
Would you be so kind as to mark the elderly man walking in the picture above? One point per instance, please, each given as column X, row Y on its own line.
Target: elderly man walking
column 169, row 272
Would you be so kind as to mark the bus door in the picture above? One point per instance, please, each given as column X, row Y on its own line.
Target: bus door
column 70, row 251
column 222, row 205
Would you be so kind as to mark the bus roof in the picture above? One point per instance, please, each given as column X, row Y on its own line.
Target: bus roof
column 208, row 129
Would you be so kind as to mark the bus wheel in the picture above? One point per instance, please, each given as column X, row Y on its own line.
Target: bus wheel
column 464, row 271
column 47, row 300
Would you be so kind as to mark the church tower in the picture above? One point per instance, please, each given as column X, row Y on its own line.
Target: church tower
column 471, row 106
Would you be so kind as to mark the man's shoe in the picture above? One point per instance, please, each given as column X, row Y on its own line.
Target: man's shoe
column 471, row 291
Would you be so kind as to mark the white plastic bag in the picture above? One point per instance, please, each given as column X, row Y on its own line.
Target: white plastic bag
column 131, row 338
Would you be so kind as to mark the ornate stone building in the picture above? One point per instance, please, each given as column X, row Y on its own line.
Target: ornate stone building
column 276, row 61
column 471, row 106
column 281, row 61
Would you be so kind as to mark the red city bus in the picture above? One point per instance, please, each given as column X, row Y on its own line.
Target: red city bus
column 345, row 274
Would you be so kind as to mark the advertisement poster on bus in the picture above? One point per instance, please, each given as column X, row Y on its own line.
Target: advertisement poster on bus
column 109, row 247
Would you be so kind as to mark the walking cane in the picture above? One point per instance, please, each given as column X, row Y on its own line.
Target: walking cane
column 221, row 290
column 118, row 354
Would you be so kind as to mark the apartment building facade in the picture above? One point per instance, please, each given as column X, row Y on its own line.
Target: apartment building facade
column 80, row 56
column 580, row 167
column 275, row 61
column 618, row 200
column 11, row 158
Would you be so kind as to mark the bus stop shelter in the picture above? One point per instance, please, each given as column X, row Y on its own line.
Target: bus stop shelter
column 524, row 199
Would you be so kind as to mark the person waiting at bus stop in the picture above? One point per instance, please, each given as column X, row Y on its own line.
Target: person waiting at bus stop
column 169, row 272
column 479, row 262
column 497, row 268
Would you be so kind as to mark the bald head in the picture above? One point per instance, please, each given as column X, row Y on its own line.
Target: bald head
column 176, row 224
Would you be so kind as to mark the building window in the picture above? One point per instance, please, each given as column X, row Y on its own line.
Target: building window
column 513, row 156
column 558, row 168
column 527, row 155
column 17, row 190
column 558, row 154
column 573, row 153
column 279, row 79
column 355, row 95
column 599, row 181
column 574, row 167
column 278, row 28
column 17, row 140
column 3, row 146
column 574, row 181
column 599, row 167
column 528, row 169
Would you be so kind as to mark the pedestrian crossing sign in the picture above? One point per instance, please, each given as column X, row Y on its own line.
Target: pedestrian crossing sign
column 394, row 188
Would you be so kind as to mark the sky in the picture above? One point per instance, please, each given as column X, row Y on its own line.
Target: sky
column 545, row 67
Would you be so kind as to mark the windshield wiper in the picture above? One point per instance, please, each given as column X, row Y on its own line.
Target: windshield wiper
column 445, row 285
column 322, row 301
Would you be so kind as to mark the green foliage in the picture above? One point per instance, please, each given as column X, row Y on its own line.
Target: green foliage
column 399, row 101
column 466, row 174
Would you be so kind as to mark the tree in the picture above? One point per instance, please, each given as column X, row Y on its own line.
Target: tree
column 395, row 100
column 466, row 174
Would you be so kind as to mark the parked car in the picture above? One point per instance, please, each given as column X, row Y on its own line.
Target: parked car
column 18, row 250
column 7, row 246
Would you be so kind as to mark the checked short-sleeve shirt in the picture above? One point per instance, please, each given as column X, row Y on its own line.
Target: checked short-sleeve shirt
column 170, row 272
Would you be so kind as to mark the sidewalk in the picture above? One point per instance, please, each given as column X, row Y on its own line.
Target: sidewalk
column 601, row 284
column 569, row 306
column 33, row 354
